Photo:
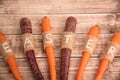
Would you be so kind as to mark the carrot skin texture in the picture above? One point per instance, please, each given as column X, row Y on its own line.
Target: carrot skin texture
column 25, row 25
column 103, row 64
column 70, row 26
column 46, row 27
column 104, row 61
column 52, row 62
column 94, row 31
column 11, row 61
column 83, row 64
column 13, row 66
column 65, row 63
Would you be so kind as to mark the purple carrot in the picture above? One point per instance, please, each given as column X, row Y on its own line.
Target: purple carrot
column 70, row 27
column 25, row 25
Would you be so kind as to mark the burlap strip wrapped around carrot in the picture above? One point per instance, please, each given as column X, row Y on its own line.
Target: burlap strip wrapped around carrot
column 47, row 39
column 7, row 52
column 27, row 38
column 90, row 44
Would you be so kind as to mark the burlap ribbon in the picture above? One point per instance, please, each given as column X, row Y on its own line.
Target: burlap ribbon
column 68, row 39
column 110, row 51
column 5, row 49
column 28, row 41
column 90, row 44
column 48, row 39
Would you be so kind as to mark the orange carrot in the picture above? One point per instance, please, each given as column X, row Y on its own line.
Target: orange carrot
column 103, row 65
column 46, row 27
column 13, row 66
column 10, row 59
column 105, row 61
column 94, row 31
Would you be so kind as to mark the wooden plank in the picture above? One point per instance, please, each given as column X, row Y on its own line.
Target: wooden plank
column 91, row 76
column 9, row 24
column 112, row 72
column 87, row 76
column 58, row 7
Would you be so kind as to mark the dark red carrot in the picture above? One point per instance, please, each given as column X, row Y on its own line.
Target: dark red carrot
column 108, row 55
column 7, row 53
column 27, row 38
column 48, row 45
column 67, row 45
column 90, row 46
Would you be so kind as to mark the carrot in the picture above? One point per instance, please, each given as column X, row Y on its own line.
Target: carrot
column 94, row 31
column 67, row 46
column 102, row 67
column 26, row 30
column 9, row 57
column 105, row 60
column 46, row 27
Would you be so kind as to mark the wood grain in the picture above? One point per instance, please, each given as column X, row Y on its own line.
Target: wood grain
column 58, row 7
column 84, row 22
column 112, row 71
column 87, row 12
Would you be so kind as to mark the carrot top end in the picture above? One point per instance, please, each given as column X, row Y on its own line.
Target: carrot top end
column 46, row 26
column 94, row 31
column 116, row 37
column 2, row 37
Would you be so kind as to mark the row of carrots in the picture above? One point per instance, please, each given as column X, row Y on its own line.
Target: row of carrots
column 66, row 50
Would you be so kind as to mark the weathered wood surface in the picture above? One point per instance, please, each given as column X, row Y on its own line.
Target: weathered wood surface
column 87, row 12
column 58, row 6
column 84, row 22
column 112, row 71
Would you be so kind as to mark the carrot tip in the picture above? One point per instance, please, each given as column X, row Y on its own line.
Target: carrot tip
column 115, row 30
column 46, row 24
column 45, row 16
column 97, row 25
column 2, row 37
column 45, row 19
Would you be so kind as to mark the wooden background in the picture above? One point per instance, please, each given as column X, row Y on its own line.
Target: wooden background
column 87, row 12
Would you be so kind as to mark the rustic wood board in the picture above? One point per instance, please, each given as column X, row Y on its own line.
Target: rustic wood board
column 87, row 12
column 58, row 6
